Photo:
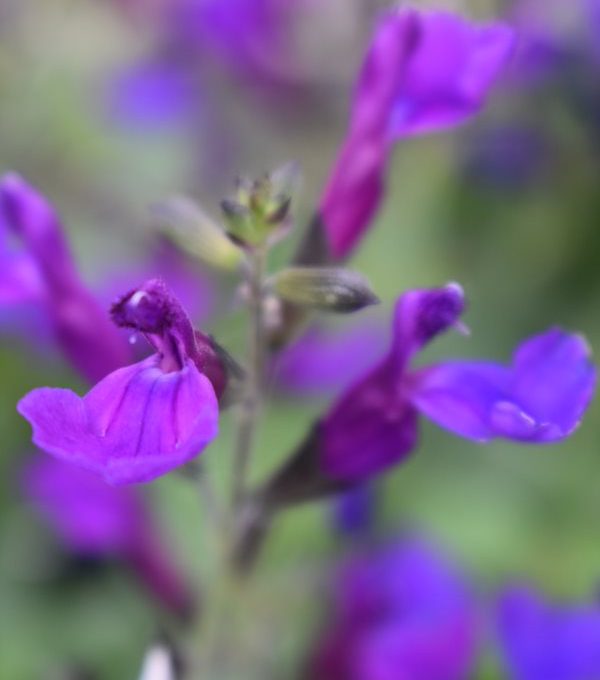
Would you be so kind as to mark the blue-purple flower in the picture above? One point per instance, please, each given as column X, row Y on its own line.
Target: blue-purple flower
column 401, row 612
column 143, row 420
column 254, row 39
column 546, row 641
column 541, row 397
column 96, row 520
column 41, row 270
column 425, row 71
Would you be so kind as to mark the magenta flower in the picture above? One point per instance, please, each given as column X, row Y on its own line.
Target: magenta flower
column 143, row 420
column 540, row 641
column 43, row 271
column 96, row 520
column 398, row 613
column 424, row 71
column 540, row 398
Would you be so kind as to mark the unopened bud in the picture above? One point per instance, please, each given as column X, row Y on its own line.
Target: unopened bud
column 194, row 231
column 240, row 222
column 259, row 211
column 324, row 288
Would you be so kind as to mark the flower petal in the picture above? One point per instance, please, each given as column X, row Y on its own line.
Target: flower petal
column 369, row 429
column 91, row 517
column 453, row 66
column 541, row 641
column 554, row 378
column 401, row 612
column 45, row 271
column 355, row 187
column 135, row 425
column 323, row 359
column 420, row 315
column 97, row 520
column 541, row 398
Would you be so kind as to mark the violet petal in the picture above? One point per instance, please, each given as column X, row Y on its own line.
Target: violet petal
column 541, row 398
column 369, row 429
column 136, row 424
column 540, row 640
column 452, row 69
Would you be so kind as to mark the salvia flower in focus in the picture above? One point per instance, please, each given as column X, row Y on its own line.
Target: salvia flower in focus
column 143, row 420
column 401, row 612
column 42, row 271
column 96, row 520
column 540, row 398
column 539, row 640
column 424, row 71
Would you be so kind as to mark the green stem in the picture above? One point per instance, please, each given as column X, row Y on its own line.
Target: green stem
column 251, row 401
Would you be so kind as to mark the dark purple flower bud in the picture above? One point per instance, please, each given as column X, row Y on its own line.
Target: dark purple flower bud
column 143, row 420
column 401, row 612
column 540, row 640
column 43, row 271
column 541, row 398
column 425, row 71
column 96, row 520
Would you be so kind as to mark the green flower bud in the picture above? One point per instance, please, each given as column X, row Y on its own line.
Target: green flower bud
column 194, row 231
column 324, row 288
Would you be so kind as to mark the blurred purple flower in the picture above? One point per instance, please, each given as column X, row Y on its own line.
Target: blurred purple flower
column 544, row 45
column 354, row 510
column 324, row 360
column 96, row 520
column 151, row 95
column 41, row 270
column 540, row 398
column 143, row 420
column 401, row 613
column 253, row 38
column 508, row 157
column 542, row 641
column 425, row 71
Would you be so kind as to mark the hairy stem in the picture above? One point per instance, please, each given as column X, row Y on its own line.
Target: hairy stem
column 251, row 401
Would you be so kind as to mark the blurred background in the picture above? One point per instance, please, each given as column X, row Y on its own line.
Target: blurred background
column 107, row 108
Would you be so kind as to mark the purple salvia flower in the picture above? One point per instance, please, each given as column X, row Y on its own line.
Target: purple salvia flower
column 43, row 271
column 543, row 641
column 424, row 71
column 143, row 420
column 540, row 398
column 96, row 520
column 401, row 612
